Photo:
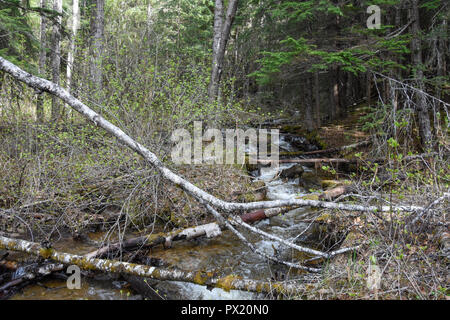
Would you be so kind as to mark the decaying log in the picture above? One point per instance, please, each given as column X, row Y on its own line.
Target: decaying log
column 230, row 282
column 44, row 85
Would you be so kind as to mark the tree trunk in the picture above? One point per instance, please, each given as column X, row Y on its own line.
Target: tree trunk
column 56, row 58
column 71, row 55
column 42, row 62
column 221, row 35
column 317, row 97
column 97, row 31
column 308, row 92
column 369, row 88
column 335, row 110
column 421, row 102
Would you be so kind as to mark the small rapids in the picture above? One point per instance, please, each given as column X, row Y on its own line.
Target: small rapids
column 229, row 255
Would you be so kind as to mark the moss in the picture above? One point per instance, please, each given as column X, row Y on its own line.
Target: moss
column 291, row 153
column 46, row 252
column 324, row 218
column 154, row 236
column 328, row 184
column 292, row 129
column 310, row 180
column 314, row 137
column 201, row 277
column 226, row 283
column 310, row 197
column 258, row 184
column 156, row 274
column 279, row 288
column 259, row 288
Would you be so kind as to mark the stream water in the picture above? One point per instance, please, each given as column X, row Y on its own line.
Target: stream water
column 224, row 253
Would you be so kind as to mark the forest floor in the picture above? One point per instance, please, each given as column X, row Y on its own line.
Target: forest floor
column 343, row 131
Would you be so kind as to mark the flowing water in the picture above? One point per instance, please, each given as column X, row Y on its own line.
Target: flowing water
column 224, row 253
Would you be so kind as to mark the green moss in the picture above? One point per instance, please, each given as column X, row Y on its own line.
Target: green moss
column 324, row 218
column 201, row 277
column 226, row 283
column 310, row 197
column 328, row 184
column 46, row 252
column 292, row 129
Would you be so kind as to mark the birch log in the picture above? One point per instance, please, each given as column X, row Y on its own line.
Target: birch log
column 209, row 230
column 230, row 282
column 151, row 158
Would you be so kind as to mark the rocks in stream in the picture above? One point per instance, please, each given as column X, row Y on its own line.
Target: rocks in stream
column 294, row 172
column 301, row 143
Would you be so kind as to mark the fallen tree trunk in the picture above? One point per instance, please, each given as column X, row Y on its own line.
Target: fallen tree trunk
column 44, row 85
column 327, row 151
column 343, row 148
column 212, row 230
column 336, row 192
column 230, row 282
column 149, row 241
column 315, row 161
column 33, row 275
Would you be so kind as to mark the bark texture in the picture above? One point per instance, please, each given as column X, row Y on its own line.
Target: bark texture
column 72, row 47
column 42, row 61
column 222, row 28
column 56, row 58
column 97, row 31
column 421, row 103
